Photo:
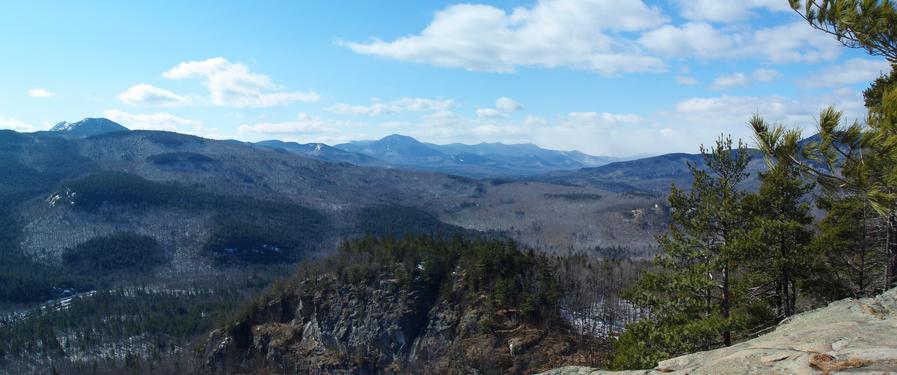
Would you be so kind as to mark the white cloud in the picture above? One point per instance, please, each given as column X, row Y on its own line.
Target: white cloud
column 397, row 106
column 686, row 80
column 148, row 95
column 17, row 125
column 302, row 124
column 734, row 111
column 720, row 110
column 766, row 75
column 506, row 104
column 535, row 121
column 727, row 11
column 852, row 71
column 40, row 93
column 794, row 42
column 490, row 113
column 441, row 118
column 234, row 85
column 154, row 121
column 728, row 81
column 503, row 107
column 580, row 34
column 738, row 79
column 424, row 105
column 703, row 119
column 603, row 118
column 788, row 43
column 693, row 39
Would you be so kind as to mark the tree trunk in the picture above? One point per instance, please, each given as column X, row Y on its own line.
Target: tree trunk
column 890, row 281
column 727, row 333
column 788, row 298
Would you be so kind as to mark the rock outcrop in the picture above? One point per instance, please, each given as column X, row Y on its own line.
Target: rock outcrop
column 849, row 336
column 430, row 323
column 390, row 329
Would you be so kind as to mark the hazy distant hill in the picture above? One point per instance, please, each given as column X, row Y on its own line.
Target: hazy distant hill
column 324, row 152
column 653, row 175
column 480, row 160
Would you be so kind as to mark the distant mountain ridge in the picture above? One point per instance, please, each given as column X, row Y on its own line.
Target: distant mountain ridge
column 323, row 152
column 479, row 160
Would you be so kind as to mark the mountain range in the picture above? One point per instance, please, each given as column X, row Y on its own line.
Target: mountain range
column 347, row 184
column 479, row 161
column 92, row 207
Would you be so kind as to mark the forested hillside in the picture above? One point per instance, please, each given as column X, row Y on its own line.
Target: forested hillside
column 736, row 263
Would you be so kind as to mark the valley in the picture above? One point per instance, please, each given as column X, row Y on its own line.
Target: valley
column 166, row 220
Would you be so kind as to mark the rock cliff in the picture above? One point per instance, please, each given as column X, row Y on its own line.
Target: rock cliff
column 442, row 317
column 847, row 337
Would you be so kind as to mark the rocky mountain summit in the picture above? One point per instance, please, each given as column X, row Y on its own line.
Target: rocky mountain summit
column 850, row 336
column 87, row 127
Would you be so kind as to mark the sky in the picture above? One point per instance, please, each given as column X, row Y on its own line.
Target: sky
column 606, row 77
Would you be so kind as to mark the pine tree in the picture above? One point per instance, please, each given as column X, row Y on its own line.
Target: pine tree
column 695, row 301
column 857, row 159
column 848, row 245
column 778, row 249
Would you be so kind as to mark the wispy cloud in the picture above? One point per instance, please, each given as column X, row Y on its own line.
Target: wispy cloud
column 378, row 108
column 738, row 79
column 154, row 121
column 847, row 73
column 302, row 124
column 727, row 11
column 686, row 80
column 729, row 80
column 705, row 41
column 148, row 95
column 234, row 85
column 17, row 125
column 40, row 93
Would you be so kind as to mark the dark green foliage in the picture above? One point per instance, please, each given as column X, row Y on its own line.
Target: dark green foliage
column 252, row 231
column 179, row 158
column 849, row 260
column 777, row 252
column 873, row 95
column 22, row 279
column 858, row 159
column 244, row 229
column 171, row 139
column 697, row 300
column 93, row 191
column 265, row 237
column 510, row 278
column 171, row 317
column 575, row 197
column 161, row 138
column 615, row 253
column 395, row 220
column 33, row 165
column 116, row 252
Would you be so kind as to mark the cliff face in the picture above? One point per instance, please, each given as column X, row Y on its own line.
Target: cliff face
column 848, row 336
column 388, row 329
column 428, row 322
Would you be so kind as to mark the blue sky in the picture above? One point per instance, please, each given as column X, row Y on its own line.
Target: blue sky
column 608, row 77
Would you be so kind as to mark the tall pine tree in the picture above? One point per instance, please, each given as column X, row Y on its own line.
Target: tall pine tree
column 695, row 300
column 778, row 249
